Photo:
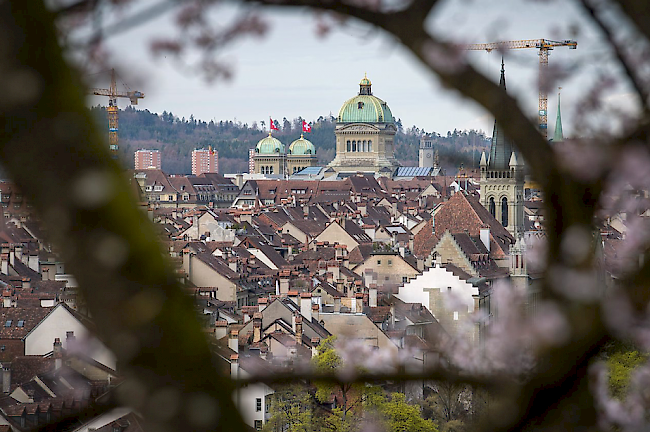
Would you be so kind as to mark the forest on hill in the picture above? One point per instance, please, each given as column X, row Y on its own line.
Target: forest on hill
column 177, row 137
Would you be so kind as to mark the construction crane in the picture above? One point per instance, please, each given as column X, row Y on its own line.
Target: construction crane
column 112, row 109
column 544, row 46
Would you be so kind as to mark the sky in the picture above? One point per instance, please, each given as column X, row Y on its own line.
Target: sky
column 293, row 72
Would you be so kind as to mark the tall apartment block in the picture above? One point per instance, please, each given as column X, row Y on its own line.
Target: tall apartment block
column 205, row 161
column 147, row 159
column 251, row 161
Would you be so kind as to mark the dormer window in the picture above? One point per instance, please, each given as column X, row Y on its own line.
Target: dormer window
column 360, row 105
column 158, row 188
column 8, row 323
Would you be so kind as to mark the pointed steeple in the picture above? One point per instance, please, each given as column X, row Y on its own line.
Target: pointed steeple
column 501, row 148
column 557, row 136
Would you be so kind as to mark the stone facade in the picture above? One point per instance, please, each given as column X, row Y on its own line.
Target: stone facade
column 365, row 132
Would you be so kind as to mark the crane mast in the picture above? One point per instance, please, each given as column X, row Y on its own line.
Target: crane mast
column 544, row 46
column 112, row 109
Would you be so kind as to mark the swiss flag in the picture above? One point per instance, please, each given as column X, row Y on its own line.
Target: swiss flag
column 306, row 127
column 273, row 126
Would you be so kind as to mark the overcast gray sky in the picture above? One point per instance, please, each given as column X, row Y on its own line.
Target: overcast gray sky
column 293, row 72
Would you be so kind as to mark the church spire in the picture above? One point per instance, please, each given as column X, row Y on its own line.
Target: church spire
column 501, row 148
column 502, row 81
column 557, row 136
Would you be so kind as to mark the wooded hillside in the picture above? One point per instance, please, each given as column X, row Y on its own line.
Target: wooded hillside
column 177, row 137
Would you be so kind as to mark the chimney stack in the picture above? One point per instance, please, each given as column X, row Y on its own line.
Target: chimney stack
column 372, row 297
column 6, row 377
column 294, row 297
column 234, row 366
column 298, row 331
column 358, row 303
column 314, row 345
column 233, row 340
column 305, row 306
column 57, row 353
column 257, row 327
column 262, row 303
column 315, row 312
column 485, row 237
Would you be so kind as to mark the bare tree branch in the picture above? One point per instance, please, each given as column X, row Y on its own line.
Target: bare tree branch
column 637, row 82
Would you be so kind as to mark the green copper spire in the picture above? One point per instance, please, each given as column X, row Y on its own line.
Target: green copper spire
column 557, row 136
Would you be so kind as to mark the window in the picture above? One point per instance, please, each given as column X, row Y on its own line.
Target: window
column 455, row 315
column 258, row 424
column 492, row 207
column 405, row 279
column 504, row 212
column 3, row 347
column 8, row 323
column 378, row 262
column 258, row 404
column 390, row 262
column 21, row 323
column 360, row 105
column 369, row 145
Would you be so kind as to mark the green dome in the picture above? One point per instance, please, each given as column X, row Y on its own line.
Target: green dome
column 269, row 145
column 365, row 108
column 302, row 147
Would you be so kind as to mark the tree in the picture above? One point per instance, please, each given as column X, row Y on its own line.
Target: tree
column 399, row 416
column 621, row 365
column 292, row 410
column 50, row 146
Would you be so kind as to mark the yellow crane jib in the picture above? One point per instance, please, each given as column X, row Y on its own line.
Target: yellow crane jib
column 112, row 109
column 544, row 46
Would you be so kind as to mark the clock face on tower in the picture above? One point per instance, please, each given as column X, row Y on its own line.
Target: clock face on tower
column 428, row 155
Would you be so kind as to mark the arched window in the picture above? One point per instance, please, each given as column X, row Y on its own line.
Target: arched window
column 271, row 168
column 369, row 145
column 349, row 146
column 354, row 146
column 504, row 212
column 493, row 207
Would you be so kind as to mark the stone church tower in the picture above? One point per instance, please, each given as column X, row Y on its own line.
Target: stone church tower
column 502, row 179
column 365, row 131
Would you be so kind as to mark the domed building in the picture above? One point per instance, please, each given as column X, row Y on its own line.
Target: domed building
column 365, row 131
column 301, row 154
column 270, row 157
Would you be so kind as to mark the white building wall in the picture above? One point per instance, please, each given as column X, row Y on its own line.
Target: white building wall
column 418, row 290
column 55, row 325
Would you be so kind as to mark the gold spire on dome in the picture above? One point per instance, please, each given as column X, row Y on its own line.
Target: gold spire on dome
column 365, row 86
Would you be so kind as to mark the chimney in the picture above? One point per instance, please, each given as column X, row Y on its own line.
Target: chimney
column 358, row 303
column 284, row 285
column 233, row 340
column 293, row 296
column 220, row 329
column 305, row 306
column 57, row 353
column 262, row 303
column 335, row 270
column 337, row 304
column 314, row 345
column 257, row 327
column 234, row 366
column 6, row 377
column 485, row 237
column 372, row 297
column 27, row 283
column 315, row 312
column 305, row 211
column 70, row 340
column 5, row 264
column 298, row 331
